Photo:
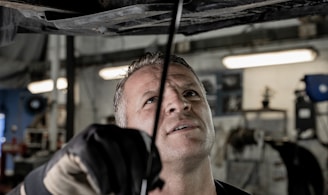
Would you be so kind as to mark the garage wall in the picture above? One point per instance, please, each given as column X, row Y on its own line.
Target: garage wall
column 95, row 98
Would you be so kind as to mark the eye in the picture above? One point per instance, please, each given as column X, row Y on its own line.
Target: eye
column 190, row 93
column 151, row 100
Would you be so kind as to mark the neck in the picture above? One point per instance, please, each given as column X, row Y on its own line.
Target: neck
column 180, row 180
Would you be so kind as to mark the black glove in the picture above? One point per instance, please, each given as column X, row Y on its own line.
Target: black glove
column 102, row 159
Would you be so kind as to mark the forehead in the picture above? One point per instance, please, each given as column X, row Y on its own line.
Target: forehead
column 152, row 74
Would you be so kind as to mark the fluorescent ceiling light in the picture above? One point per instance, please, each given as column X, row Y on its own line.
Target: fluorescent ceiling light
column 111, row 73
column 46, row 85
column 269, row 58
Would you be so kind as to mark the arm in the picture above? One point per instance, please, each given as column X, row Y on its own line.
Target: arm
column 102, row 159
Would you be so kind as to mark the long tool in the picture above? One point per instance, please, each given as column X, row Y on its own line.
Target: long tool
column 169, row 50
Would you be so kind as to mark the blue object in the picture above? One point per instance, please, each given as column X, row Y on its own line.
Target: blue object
column 317, row 87
column 2, row 129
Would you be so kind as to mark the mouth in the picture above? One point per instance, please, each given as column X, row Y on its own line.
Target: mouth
column 182, row 126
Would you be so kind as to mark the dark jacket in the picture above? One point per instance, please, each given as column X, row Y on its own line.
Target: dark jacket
column 226, row 189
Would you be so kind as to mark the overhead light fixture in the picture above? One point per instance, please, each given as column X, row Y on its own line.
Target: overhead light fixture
column 269, row 58
column 46, row 85
column 111, row 73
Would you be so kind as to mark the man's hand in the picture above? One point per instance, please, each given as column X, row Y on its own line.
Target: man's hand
column 102, row 159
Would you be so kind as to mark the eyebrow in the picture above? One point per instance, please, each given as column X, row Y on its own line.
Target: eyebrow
column 188, row 82
column 191, row 84
column 145, row 95
column 149, row 93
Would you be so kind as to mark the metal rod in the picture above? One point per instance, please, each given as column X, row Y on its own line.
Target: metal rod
column 70, row 74
column 55, row 65
column 169, row 50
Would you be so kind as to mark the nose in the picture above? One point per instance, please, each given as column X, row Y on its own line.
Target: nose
column 176, row 103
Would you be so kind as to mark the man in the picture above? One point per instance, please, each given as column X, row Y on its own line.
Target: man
column 185, row 131
column 184, row 140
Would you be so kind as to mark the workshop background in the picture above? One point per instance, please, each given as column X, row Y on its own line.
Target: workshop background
column 271, row 122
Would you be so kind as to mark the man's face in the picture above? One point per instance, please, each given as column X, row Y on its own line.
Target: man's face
column 185, row 128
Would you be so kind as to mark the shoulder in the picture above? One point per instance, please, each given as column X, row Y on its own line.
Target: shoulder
column 227, row 189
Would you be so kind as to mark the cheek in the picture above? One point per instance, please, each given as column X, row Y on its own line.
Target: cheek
column 143, row 122
column 207, row 115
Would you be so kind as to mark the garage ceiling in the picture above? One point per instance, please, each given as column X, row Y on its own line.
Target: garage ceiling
column 140, row 17
column 143, row 17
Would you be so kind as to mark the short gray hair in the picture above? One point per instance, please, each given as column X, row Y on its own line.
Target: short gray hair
column 148, row 59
